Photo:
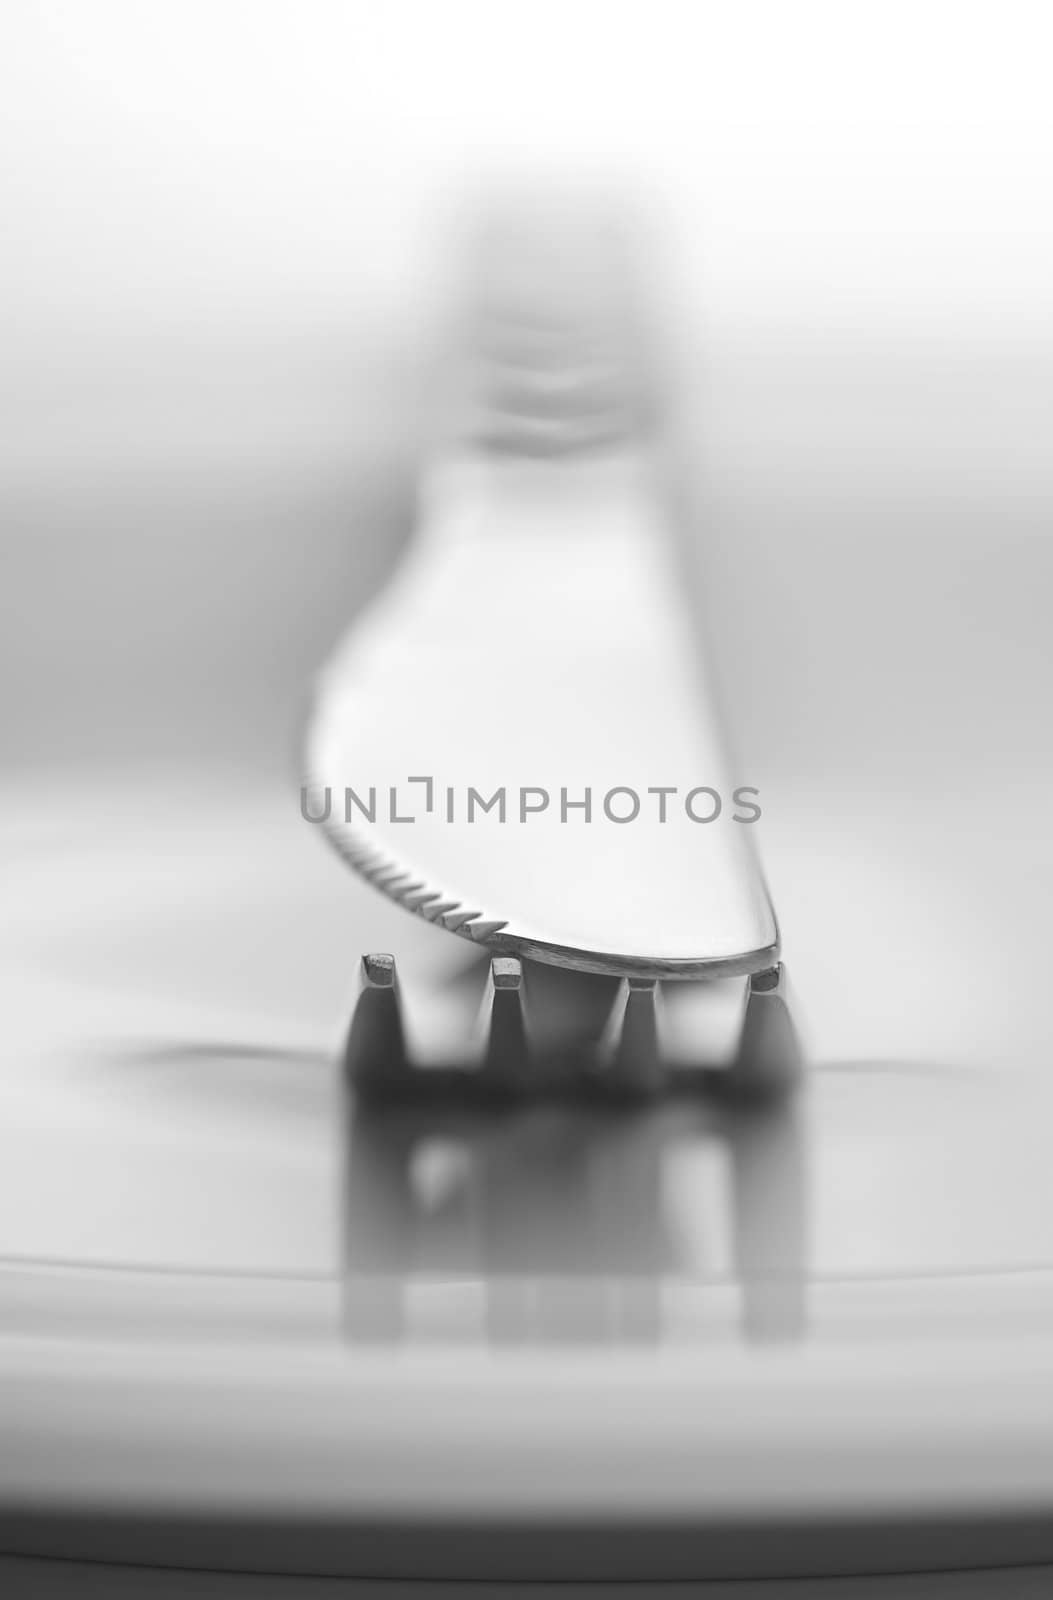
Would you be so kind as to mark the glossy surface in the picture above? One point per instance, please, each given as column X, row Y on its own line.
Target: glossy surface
column 249, row 1296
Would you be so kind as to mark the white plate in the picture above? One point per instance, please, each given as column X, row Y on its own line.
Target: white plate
column 226, row 1307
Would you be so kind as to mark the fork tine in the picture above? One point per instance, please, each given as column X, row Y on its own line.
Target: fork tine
column 631, row 1046
column 634, row 1056
column 769, row 1058
column 375, row 1053
column 507, row 1058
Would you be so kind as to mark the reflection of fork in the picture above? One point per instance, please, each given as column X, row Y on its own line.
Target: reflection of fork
column 565, row 1217
column 516, row 741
